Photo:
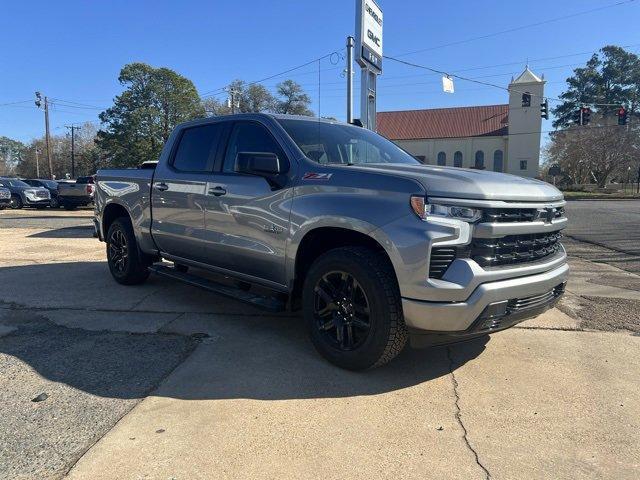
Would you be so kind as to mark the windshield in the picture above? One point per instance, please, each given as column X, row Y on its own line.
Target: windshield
column 50, row 184
column 325, row 143
column 12, row 183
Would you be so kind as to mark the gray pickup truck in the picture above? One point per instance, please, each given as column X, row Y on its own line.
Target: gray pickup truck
column 72, row 195
column 333, row 219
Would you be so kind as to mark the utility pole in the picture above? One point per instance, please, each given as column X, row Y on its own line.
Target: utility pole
column 73, row 128
column 350, row 44
column 37, row 163
column 46, row 129
column 231, row 102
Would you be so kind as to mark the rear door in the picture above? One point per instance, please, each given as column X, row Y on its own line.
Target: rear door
column 179, row 191
column 247, row 217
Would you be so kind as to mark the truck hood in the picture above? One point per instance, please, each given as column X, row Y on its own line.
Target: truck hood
column 455, row 182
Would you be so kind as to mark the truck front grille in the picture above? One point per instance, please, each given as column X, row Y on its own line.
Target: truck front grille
column 514, row 249
column 441, row 258
column 502, row 215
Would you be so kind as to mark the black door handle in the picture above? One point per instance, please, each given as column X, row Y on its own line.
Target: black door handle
column 161, row 186
column 217, row 191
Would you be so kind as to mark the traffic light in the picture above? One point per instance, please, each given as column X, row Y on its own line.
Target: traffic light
column 526, row 99
column 623, row 116
column 38, row 101
column 544, row 109
column 577, row 117
column 582, row 116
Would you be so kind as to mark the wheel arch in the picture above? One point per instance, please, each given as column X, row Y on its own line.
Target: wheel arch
column 320, row 240
column 111, row 212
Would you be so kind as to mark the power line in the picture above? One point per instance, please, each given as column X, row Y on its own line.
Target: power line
column 15, row 103
column 70, row 104
column 515, row 29
column 328, row 55
column 468, row 79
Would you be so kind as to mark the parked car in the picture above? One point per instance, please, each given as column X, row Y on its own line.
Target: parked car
column 24, row 195
column 5, row 198
column 78, row 194
column 374, row 247
column 50, row 185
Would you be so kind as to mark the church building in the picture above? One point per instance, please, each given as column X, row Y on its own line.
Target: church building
column 503, row 138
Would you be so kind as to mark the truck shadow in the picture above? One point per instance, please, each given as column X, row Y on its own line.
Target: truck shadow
column 203, row 346
column 80, row 231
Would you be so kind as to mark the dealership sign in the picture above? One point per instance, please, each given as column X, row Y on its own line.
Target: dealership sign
column 369, row 35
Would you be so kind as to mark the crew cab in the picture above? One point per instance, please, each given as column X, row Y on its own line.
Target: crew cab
column 333, row 219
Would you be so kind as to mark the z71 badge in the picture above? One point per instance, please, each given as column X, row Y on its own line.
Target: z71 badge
column 316, row 176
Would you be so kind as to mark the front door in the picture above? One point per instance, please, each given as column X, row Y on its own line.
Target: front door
column 179, row 192
column 247, row 217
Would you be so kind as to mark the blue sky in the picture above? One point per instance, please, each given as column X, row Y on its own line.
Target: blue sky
column 73, row 50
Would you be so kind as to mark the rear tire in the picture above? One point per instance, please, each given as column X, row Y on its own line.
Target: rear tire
column 353, row 310
column 127, row 264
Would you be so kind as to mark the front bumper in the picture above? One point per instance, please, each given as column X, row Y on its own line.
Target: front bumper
column 5, row 202
column 40, row 201
column 496, row 305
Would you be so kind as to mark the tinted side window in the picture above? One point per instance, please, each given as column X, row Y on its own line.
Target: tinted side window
column 197, row 149
column 250, row 137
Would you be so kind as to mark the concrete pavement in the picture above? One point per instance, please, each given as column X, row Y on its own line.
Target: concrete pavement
column 546, row 399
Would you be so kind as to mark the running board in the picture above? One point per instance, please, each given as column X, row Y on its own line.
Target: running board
column 267, row 303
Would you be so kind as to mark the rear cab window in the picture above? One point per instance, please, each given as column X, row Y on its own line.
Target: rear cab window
column 197, row 148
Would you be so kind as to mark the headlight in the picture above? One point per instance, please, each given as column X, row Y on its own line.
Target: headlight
column 424, row 210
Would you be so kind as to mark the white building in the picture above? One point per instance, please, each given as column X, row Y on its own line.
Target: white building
column 503, row 138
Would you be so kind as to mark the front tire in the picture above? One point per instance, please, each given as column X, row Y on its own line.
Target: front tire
column 16, row 202
column 127, row 264
column 54, row 203
column 353, row 310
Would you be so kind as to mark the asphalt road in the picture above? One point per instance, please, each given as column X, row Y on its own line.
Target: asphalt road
column 606, row 231
column 614, row 224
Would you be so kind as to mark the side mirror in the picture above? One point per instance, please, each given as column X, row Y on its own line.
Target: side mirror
column 263, row 164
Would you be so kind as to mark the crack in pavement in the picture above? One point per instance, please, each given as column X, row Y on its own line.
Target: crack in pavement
column 458, row 416
column 18, row 306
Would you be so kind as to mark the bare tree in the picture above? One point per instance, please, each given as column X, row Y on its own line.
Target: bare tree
column 594, row 153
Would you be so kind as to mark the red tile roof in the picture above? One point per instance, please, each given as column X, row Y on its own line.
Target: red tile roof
column 488, row 120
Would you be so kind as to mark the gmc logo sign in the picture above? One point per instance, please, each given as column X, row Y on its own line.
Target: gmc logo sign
column 374, row 38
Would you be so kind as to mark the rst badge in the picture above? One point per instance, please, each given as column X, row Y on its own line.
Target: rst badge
column 316, row 176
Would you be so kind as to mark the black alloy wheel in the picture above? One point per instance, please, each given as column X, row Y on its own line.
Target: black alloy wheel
column 128, row 265
column 352, row 307
column 341, row 310
column 118, row 251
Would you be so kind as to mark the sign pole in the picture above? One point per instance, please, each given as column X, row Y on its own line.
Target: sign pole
column 369, row 57
column 350, row 43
